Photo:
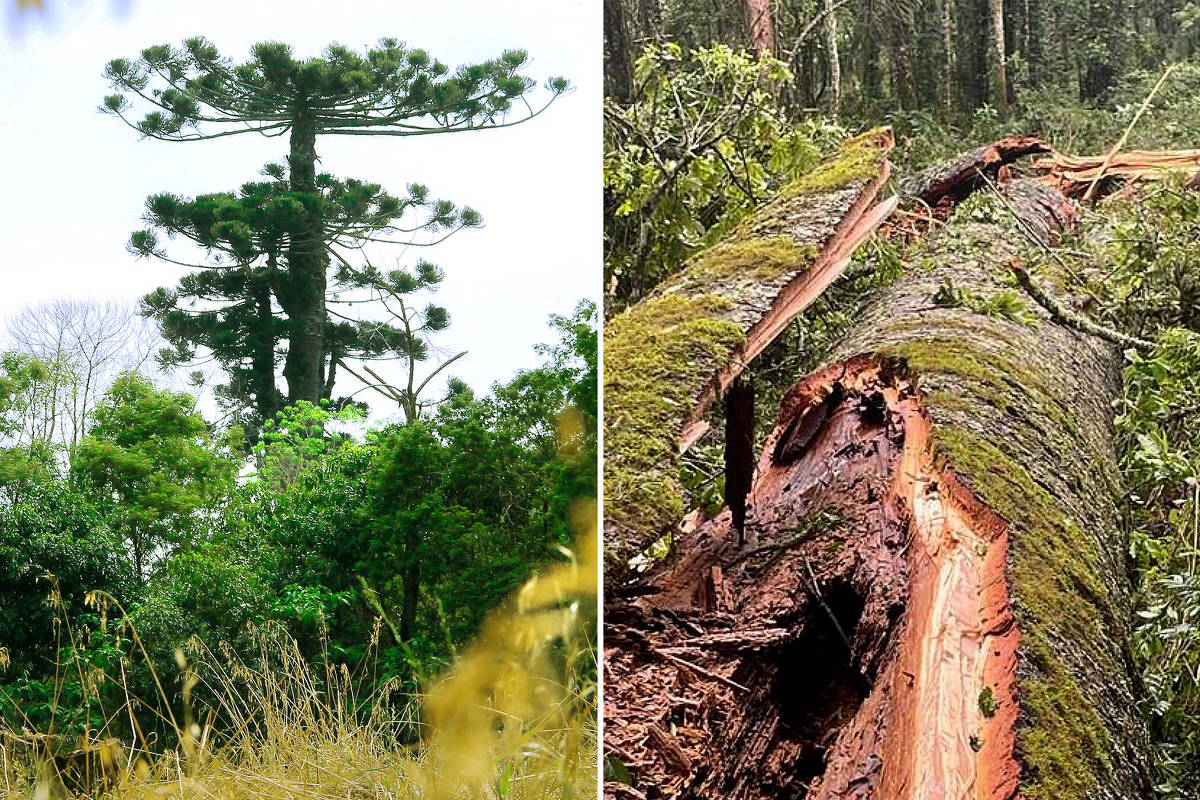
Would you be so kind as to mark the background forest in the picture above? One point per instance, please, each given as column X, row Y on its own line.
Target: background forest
column 712, row 107
column 215, row 555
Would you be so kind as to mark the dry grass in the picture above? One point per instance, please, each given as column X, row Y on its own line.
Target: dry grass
column 515, row 718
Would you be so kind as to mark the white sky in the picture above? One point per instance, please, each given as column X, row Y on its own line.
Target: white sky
column 75, row 180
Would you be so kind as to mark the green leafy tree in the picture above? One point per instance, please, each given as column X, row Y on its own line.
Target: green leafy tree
column 408, row 516
column 53, row 531
column 194, row 93
column 153, row 463
column 703, row 142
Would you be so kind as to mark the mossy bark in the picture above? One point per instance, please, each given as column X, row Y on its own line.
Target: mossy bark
column 669, row 358
column 844, row 650
column 1022, row 415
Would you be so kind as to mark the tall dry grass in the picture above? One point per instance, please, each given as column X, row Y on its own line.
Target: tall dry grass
column 514, row 718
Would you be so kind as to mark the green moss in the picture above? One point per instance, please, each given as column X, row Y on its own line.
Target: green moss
column 858, row 160
column 1000, row 381
column 658, row 357
column 759, row 259
column 1054, row 567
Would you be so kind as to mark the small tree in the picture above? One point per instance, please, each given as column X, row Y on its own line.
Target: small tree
column 154, row 464
column 408, row 517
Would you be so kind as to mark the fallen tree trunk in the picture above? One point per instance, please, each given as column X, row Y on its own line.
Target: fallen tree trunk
column 954, row 180
column 672, row 356
column 931, row 601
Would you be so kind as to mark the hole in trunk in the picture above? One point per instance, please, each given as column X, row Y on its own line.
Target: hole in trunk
column 818, row 686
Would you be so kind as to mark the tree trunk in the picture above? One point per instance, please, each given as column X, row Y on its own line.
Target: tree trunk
column 947, row 81
column 303, row 298
column 671, row 356
column 411, row 588
column 932, row 600
column 835, row 60
column 998, row 63
column 618, row 66
column 649, row 18
column 262, row 346
column 903, row 75
column 761, row 27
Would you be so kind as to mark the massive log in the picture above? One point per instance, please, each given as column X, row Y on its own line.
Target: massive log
column 932, row 598
column 670, row 357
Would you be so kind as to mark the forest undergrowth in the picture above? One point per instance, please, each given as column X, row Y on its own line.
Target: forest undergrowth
column 513, row 718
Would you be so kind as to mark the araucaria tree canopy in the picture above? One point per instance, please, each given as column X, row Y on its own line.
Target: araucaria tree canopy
column 296, row 240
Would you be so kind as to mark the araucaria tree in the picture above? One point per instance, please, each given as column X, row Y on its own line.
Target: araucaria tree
column 238, row 305
column 193, row 94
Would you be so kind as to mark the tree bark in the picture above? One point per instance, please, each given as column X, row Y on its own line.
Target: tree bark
column 411, row 587
column 618, row 57
column 672, row 356
column 761, row 27
column 649, row 17
column 262, row 345
column 998, row 64
column 932, row 600
column 305, row 280
column 835, row 60
column 947, row 82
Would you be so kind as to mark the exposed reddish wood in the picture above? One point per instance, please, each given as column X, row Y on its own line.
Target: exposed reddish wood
column 855, row 228
column 916, row 585
column 944, row 184
column 871, row 618
column 739, row 296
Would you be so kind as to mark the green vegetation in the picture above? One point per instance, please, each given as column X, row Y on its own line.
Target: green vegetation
column 427, row 526
column 949, row 77
column 298, row 597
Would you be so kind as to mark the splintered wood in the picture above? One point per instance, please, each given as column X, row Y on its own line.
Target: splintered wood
column 673, row 355
column 926, row 599
column 1072, row 175
column 852, row 620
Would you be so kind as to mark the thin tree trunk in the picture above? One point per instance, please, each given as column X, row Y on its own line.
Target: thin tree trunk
column 262, row 359
column 411, row 589
column 948, row 75
column 998, row 82
column 649, row 18
column 932, row 600
column 761, row 27
column 835, row 60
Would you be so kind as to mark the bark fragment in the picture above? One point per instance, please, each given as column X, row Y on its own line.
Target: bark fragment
column 932, row 600
column 673, row 355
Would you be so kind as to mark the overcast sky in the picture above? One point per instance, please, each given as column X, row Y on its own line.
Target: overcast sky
column 76, row 180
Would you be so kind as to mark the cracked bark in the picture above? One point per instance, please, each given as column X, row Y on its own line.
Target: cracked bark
column 932, row 599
